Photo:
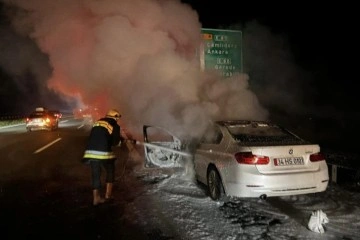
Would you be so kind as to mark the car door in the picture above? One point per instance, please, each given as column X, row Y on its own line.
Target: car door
column 207, row 151
column 162, row 148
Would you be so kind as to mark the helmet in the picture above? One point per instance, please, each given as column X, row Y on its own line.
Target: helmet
column 113, row 113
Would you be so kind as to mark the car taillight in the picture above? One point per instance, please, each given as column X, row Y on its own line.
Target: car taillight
column 249, row 158
column 317, row 157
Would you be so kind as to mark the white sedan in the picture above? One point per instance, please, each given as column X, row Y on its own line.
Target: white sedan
column 247, row 159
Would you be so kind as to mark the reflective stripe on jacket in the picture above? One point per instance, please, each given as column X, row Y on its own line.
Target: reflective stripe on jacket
column 104, row 134
column 104, row 124
column 99, row 155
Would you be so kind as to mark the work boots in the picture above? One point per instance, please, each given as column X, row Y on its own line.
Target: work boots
column 97, row 198
column 108, row 194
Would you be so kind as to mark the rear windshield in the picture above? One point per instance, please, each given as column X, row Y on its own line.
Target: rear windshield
column 37, row 115
column 262, row 133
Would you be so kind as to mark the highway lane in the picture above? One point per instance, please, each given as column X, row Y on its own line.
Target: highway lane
column 30, row 154
column 45, row 191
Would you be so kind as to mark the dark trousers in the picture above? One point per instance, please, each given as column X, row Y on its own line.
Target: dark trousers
column 96, row 169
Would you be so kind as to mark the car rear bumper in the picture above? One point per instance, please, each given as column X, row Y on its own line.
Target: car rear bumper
column 279, row 185
column 40, row 127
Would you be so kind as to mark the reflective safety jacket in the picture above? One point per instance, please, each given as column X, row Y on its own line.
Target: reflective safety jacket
column 104, row 134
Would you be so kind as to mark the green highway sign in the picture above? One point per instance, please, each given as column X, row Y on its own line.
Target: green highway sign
column 221, row 50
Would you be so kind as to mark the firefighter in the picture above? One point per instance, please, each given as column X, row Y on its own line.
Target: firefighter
column 104, row 135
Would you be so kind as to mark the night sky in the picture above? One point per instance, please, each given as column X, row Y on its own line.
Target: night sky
column 322, row 37
column 320, row 40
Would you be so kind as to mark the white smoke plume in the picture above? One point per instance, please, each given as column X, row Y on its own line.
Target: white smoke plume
column 135, row 55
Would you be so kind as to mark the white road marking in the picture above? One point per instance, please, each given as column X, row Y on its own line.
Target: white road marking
column 15, row 125
column 47, row 145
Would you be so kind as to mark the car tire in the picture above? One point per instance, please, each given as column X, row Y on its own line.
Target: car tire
column 214, row 185
column 28, row 129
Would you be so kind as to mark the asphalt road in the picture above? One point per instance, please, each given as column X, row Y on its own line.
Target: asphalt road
column 45, row 193
column 45, row 190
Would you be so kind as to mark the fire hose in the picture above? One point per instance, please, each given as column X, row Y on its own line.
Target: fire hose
column 133, row 153
column 155, row 146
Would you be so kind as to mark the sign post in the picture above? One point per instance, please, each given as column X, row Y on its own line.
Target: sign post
column 221, row 50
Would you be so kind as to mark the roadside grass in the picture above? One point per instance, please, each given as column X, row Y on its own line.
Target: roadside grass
column 4, row 123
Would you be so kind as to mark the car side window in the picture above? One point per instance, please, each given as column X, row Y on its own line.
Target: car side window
column 212, row 135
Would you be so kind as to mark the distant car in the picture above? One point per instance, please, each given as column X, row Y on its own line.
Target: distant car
column 247, row 159
column 56, row 113
column 89, row 113
column 41, row 120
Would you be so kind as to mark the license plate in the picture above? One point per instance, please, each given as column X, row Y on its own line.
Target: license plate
column 289, row 161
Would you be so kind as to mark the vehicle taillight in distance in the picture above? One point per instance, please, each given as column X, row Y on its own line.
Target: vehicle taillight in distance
column 315, row 157
column 249, row 158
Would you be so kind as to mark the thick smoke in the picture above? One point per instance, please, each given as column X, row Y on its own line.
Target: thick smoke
column 135, row 55
column 23, row 74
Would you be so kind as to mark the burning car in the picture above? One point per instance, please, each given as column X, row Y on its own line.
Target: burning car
column 245, row 159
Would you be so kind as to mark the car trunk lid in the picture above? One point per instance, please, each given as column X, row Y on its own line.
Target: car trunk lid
column 285, row 159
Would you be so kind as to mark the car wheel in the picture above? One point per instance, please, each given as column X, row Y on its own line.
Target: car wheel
column 214, row 184
column 28, row 129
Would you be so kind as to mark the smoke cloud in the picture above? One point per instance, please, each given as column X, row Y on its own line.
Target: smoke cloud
column 276, row 79
column 138, row 56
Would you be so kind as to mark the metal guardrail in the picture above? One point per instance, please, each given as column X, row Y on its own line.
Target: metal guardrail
column 342, row 174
